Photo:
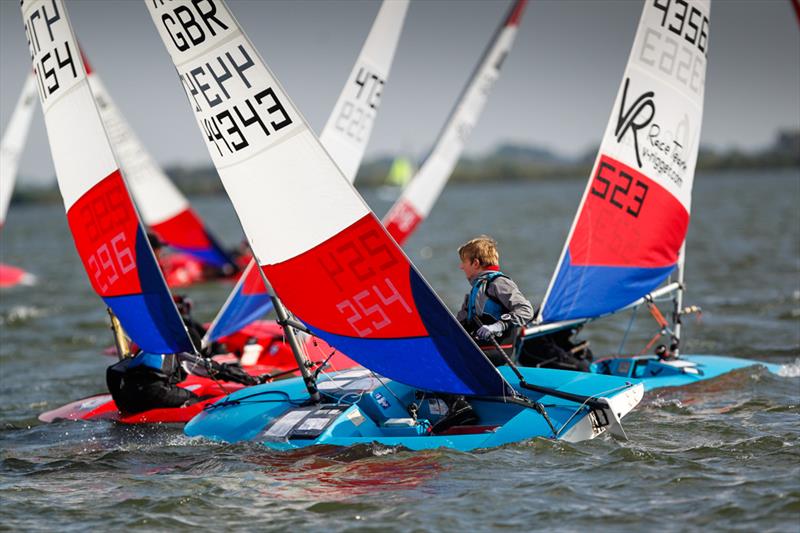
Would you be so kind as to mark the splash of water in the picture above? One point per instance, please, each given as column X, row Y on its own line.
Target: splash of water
column 790, row 370
column 20, row 313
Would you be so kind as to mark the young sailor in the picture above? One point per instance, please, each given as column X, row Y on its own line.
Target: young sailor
column 494, row 307
column 150, row 381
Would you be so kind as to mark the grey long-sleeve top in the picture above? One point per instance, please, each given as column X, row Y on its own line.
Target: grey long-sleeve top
column 505, row 291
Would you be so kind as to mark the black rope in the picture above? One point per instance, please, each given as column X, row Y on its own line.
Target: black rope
column 244, row 399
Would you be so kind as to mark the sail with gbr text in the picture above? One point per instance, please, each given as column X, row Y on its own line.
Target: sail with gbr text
column 345, row 137
column 418, row 198
column 108, row 234
column 331, row 262
column 632, row 220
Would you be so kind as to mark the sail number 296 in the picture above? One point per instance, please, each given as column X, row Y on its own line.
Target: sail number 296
column 619, row 188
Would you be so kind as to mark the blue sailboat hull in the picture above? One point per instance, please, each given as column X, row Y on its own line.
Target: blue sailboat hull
column 655, row 373
column 359, row 408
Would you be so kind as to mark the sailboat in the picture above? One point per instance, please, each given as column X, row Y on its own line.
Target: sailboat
column 249, row 300
column 109, row 236
column 11, row 147
column 345, row 137
column 401, row 172
column 629, row 234
column 417, row 199
column 347, row 281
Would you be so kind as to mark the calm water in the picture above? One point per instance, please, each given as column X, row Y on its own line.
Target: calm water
column 724, row 455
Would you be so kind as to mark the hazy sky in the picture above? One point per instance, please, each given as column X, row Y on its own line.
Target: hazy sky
column 556, row 89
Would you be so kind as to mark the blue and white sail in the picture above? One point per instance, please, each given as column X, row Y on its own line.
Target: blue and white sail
column 627, row 236
column 330, row 260
column 110, row 238
column 345, row 137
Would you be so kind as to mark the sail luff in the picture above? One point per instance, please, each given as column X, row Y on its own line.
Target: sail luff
column 13, row 143
column 419, row 196
column 105, row 225
column 331, row 263
column 634, row 212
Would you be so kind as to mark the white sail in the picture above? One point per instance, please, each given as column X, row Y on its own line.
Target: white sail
column 349, row 126
column 13, row 143
column 418, row 198
column 345, row 137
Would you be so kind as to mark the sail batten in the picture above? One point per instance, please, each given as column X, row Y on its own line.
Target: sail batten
column 634, row 214
column 330, row 244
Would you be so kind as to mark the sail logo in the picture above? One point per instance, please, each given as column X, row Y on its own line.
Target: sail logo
column 635, row 118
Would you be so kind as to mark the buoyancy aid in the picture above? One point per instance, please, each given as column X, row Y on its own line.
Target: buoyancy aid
column 492, row 309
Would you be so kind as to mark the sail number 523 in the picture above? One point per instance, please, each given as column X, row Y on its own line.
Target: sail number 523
column 615, row 186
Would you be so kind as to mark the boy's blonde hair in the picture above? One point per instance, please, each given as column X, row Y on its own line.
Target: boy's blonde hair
column 482, row 248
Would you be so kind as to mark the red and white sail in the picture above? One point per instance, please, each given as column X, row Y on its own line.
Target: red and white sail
column 345, row 137
column 13, row 143
column 631, row 224
column 164, row 209
column 324, row 252
column 108, row 234
column 418, row 198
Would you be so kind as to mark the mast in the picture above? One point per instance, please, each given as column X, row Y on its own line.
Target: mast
column 678, row 302
column 299, row 355
column 418, row 197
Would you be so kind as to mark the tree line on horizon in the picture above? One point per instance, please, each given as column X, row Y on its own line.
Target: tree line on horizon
column 508, row 162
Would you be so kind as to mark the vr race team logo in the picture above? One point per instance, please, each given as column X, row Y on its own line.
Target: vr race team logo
column 633, row 118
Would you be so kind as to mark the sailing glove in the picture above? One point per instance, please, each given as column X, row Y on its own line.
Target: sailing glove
column 485, row 333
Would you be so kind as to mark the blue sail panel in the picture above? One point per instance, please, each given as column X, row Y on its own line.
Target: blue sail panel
column 583, row 291
column 248, row 302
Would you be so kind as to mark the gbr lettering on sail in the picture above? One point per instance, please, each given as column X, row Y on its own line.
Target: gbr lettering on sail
column 238, row 116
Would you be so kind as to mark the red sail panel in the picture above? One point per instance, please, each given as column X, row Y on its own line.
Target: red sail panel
column 628, row 220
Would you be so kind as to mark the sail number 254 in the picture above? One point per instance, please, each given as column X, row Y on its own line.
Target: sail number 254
column 619, row 188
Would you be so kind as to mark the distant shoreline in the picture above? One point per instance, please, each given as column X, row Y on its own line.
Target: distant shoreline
column 508, row 163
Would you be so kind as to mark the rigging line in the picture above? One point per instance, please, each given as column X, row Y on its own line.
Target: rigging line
column 396, row 397
column 627, row 331
column 581, row 406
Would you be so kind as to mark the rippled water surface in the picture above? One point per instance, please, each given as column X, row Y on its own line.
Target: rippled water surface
column 723, row 455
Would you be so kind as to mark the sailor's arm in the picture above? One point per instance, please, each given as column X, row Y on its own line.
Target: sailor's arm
column 520, row 310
